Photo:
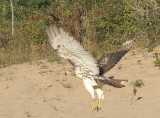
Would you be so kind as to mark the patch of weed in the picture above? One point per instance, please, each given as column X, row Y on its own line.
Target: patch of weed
column 136, row 84
column 151, row 48
column 157, row 59
column 54, row 58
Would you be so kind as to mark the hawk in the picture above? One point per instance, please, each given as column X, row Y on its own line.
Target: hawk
column 85, row 66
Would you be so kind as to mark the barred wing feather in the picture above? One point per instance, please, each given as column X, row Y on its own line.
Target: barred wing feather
column 108, row 61
column 69, row 48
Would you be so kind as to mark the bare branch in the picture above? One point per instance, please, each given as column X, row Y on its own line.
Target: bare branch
column 144, row 7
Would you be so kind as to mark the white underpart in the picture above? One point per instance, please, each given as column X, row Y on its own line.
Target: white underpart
column 100, row 93
column 88, row 83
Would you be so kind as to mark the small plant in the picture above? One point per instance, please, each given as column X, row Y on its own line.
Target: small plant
column 139, row 61
column 49, row 103
column 151, row 48
column 29, row 114
column 136, row 84
column 54, row 107
column 157, row 61
column 65, row 84
column 54, row 58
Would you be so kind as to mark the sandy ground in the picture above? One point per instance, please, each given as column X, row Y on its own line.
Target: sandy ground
column 42, row 90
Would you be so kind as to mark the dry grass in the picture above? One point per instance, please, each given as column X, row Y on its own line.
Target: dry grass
column 19, row 54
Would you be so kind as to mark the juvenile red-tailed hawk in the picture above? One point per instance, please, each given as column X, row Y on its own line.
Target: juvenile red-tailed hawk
column 86, row 67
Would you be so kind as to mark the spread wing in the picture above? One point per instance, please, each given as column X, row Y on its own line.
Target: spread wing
column 108, row 61
column 69, row 48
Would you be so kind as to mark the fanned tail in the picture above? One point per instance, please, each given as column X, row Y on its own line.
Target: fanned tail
column 115, row 82
column 112, row 82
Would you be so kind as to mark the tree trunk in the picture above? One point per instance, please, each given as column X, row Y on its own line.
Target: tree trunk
column 12, row 17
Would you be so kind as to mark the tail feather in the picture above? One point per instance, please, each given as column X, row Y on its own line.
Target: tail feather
column 112, row 82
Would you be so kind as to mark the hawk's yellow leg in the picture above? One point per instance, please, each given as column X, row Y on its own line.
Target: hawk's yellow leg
column 99, row 107
column 93, row 104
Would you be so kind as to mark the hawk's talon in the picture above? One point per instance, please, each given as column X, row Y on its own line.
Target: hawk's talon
column 99, row 107
column 93, row 106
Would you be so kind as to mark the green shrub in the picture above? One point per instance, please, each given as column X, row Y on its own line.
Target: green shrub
column 101, row 26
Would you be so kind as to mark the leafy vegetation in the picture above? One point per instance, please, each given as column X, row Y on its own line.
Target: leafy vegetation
column 138, row 83
column 101, row 26
column 151, row 48
column 157, row 59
